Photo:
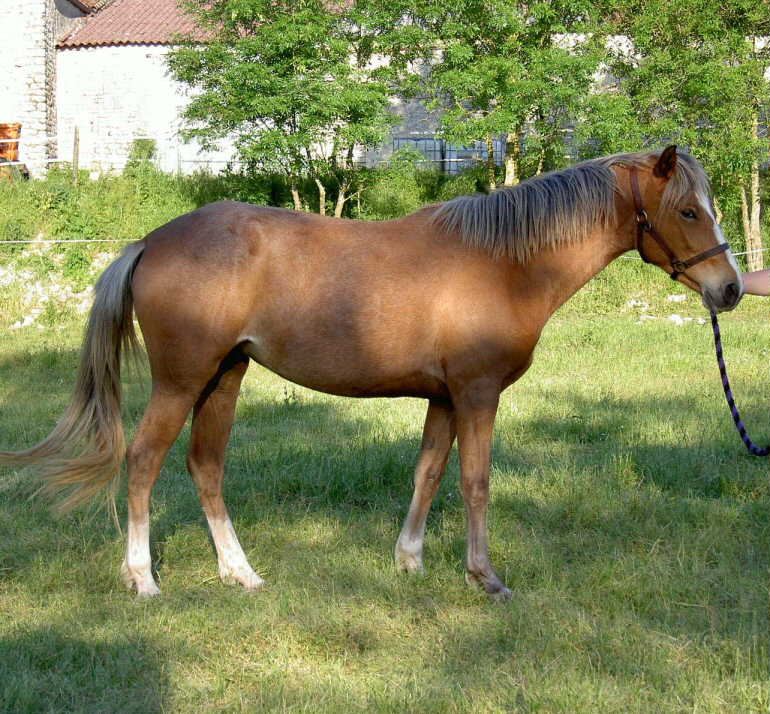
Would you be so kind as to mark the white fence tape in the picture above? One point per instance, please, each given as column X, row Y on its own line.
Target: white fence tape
column 69, row 240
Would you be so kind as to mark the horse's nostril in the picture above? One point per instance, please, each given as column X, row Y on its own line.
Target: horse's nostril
column 732, row 291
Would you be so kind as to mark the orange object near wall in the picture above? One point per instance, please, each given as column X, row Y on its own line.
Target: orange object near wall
column 9, row 150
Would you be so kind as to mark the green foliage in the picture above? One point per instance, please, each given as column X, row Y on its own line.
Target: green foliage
column 292, row 80
column 692, row 77
column 77, row 266
column 510, row 69
column 142, row 150
column 127, row 206
column 395, row 189
column 403, row 186
column 468, row 181
column 234, row 186
column 143, row 198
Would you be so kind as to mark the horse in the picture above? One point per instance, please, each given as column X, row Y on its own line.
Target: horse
column 446, row 304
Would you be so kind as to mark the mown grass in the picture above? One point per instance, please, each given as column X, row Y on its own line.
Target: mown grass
column 626, row 516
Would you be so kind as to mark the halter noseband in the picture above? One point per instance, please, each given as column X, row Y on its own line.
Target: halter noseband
column 643, row 226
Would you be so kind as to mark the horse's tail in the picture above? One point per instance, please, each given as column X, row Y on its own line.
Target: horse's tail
column 84, row 452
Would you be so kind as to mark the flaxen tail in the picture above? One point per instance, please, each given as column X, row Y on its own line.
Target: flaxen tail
column 84, row 452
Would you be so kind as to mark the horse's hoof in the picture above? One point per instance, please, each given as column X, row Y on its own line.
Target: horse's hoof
column 248, row 579
column 409, row 563
column 502, row 595
column 147, row 591
column 143, row 583
column 493, row 587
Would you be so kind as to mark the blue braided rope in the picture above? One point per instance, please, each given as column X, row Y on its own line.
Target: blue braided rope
column 753, row 448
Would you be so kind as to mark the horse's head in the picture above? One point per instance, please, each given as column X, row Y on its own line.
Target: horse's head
column 677, row 230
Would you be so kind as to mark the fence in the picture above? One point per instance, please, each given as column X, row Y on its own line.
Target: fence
column 174, row 156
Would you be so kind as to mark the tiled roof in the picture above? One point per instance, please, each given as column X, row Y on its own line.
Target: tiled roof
column 132, row 22
column 91, row 4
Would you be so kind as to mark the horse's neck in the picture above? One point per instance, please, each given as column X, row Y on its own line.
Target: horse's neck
column 560, row 273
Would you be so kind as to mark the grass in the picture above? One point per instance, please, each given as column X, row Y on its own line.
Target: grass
column 626, row 516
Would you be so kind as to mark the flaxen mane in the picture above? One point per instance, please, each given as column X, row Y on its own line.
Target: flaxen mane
column 556, row 208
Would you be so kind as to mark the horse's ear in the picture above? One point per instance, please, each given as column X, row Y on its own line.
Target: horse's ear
column 666, row 163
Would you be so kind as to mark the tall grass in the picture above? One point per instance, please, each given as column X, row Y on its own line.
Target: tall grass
column 132, row 204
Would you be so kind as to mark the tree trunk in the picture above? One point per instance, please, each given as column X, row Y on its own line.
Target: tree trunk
column 512, row 158
column 750, row 208
column 753, row 239
column 754, row 208
column 756, row 259
column 491, row 174
column 296, row 197
column 321, row 197
column 745, row 215
column 341, row 198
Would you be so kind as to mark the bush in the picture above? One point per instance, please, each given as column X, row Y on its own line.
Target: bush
column 77, row 266
column 143, row 197
column 142, row 151
column 394, row 190
column 466, row 182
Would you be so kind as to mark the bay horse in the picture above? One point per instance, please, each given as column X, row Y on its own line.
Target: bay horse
column 446, row 304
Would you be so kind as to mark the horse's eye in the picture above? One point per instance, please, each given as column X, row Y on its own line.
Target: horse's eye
column 689, row 214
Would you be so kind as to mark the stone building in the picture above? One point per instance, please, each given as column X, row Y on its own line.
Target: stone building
column 28, row 70
column 97, row 65
column 112, row 84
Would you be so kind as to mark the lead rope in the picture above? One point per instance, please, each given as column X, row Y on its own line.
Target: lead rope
column 750, row 445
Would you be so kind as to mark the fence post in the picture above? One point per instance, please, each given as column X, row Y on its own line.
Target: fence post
column 75, row 155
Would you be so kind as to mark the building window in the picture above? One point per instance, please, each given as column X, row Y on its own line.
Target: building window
column 451, row 158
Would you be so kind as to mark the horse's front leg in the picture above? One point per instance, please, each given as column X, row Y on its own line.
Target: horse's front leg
column 476, row 407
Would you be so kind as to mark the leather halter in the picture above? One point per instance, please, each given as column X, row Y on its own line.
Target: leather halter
column 643, row 226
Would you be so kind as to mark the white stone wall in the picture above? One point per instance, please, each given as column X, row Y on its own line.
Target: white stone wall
column 116, row 94
column 26, row 71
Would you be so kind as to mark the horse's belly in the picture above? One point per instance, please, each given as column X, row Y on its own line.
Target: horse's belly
column 345, row 373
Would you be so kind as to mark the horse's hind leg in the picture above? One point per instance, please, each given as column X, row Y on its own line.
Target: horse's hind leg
column 162, row 421
column 212, row 419
column 437, row 438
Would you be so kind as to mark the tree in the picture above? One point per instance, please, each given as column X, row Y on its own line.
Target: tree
column 513, row 70
column 294, row 82
column 695, row 78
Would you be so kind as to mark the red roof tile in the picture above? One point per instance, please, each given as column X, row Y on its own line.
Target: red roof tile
column 133, row 22
column 91, row 4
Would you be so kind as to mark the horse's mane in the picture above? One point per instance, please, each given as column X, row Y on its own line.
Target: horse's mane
column 556, row 208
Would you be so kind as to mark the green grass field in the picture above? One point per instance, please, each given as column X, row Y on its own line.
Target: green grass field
column 626, row 516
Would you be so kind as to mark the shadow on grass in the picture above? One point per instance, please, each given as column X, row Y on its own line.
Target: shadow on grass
column 600, row 431
column 45, row 670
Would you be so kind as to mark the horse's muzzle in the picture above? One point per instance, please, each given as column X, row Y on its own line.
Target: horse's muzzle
column 723, row 298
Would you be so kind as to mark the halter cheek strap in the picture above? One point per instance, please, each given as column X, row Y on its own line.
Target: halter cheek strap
column 643, row 226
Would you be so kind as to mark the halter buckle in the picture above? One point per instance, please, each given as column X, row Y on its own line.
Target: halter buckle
column 642, row 220
column 679, row 266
